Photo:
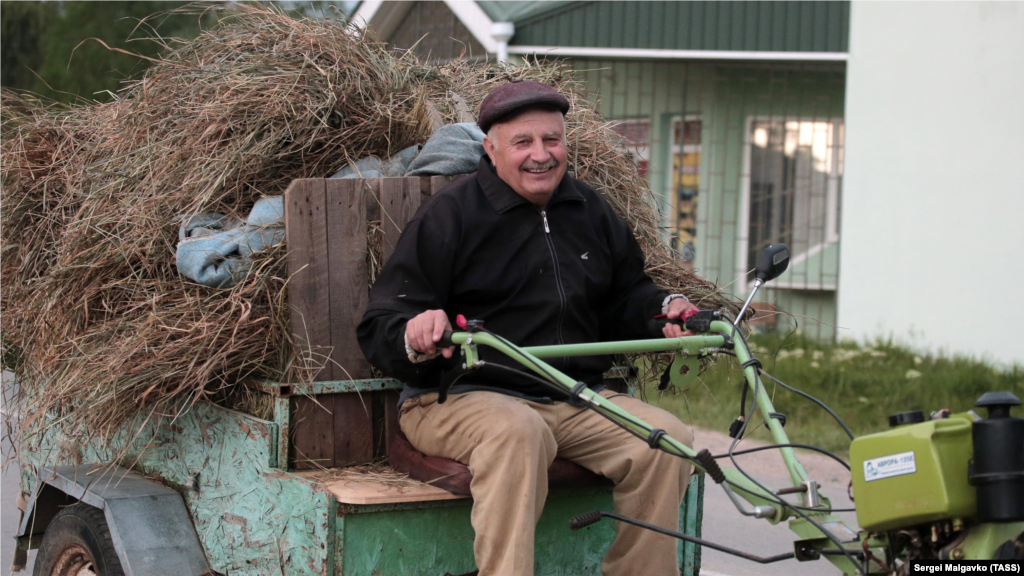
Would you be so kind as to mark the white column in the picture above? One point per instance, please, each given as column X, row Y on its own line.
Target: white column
column 502, row 32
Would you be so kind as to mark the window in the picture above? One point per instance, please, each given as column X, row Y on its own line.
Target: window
column 793, row 174
column 685, row 186
column 635, row 139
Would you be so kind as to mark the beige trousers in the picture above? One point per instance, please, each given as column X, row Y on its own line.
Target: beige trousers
column 509, row 443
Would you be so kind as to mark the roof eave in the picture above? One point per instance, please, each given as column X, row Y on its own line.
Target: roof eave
column 650, row 53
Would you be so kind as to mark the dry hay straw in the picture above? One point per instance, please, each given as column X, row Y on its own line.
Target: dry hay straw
column 103, row 326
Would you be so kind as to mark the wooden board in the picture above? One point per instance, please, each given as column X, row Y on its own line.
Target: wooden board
column 327, row 224
column 349, row 290
column 308, row 287
column 368, row 491
column 332, row 430
column 312, row 432
column 437, row 183
column 400, row 198
column 391, row 426
column 353, row 428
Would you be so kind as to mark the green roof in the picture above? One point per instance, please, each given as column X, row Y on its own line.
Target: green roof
column 514, row 11
column 769, row 25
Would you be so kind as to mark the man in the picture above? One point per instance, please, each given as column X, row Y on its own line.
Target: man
column 542, row 259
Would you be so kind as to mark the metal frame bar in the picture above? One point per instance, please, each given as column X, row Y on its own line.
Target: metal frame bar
column 285, row 389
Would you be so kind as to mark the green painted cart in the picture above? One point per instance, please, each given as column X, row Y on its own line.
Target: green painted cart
column 217, row 490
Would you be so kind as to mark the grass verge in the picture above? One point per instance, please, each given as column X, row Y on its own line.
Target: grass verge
column 863, row 384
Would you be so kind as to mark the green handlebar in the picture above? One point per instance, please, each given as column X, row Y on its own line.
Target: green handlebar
column 530, row 358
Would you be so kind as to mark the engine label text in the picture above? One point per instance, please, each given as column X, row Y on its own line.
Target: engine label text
column 889, row 466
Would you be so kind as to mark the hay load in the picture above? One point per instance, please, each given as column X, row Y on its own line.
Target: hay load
column 98, row 324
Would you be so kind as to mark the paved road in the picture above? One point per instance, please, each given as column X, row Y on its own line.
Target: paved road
column 724, row 524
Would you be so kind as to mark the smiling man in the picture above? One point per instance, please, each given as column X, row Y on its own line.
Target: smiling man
column 541, row 259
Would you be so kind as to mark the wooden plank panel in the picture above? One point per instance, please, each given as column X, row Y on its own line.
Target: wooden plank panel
column 391, row 426
column 380, row 448
column 356, row 490
column 353, row 428
column 313, row 435
column 346, row 230
column 308, row 287
column 437, row 183
column 399, row 200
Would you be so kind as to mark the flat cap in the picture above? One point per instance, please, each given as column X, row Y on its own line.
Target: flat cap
column 517, row 95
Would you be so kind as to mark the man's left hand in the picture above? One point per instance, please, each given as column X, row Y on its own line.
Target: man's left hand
column 677, row 309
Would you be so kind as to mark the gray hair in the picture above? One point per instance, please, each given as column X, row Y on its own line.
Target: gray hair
column 492, row 136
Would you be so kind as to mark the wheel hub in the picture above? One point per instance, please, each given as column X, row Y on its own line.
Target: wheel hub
column 74, row 560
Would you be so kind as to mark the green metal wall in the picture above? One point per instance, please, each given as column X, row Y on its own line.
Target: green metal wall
column 723, row 96
column 751, row 26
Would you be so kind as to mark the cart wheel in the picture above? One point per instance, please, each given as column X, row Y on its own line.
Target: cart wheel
column 77, row 543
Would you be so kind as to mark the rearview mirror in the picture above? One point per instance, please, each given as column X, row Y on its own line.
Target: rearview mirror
column 772, row 262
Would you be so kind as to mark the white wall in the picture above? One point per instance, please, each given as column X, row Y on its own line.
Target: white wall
column 933, row 193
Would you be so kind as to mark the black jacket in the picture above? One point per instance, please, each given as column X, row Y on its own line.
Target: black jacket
column 479, row 249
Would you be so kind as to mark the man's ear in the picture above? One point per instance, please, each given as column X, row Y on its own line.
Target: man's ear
column 490, row 148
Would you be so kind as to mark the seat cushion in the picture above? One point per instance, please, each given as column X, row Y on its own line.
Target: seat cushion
column 455, row 477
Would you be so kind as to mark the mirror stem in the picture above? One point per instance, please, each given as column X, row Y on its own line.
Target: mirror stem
column 757, row 284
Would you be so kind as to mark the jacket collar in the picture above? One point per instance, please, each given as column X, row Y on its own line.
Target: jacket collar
column 503, row 198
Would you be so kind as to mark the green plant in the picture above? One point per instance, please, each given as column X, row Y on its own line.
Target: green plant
column 76, row 64
column 22, row 48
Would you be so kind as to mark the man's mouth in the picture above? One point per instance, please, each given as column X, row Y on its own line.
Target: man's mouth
column 541, row 169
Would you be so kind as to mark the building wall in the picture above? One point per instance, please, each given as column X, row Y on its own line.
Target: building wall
column 435, row 34
column 933, row 207
column 723, row 97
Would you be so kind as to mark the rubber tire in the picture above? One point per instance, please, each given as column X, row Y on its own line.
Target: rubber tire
column 84, row 526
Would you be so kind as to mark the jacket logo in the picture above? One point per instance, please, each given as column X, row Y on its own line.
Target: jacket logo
column 584, row 256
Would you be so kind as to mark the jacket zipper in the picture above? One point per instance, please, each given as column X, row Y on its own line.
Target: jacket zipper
column 558, row 276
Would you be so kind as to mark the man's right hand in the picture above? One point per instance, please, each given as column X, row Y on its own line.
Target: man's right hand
column 424, row 332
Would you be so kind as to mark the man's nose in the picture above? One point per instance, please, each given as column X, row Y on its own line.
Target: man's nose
column 538, row 153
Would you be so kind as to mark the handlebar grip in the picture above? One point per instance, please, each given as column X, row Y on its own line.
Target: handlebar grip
column 654, row 326
column 446, row 339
